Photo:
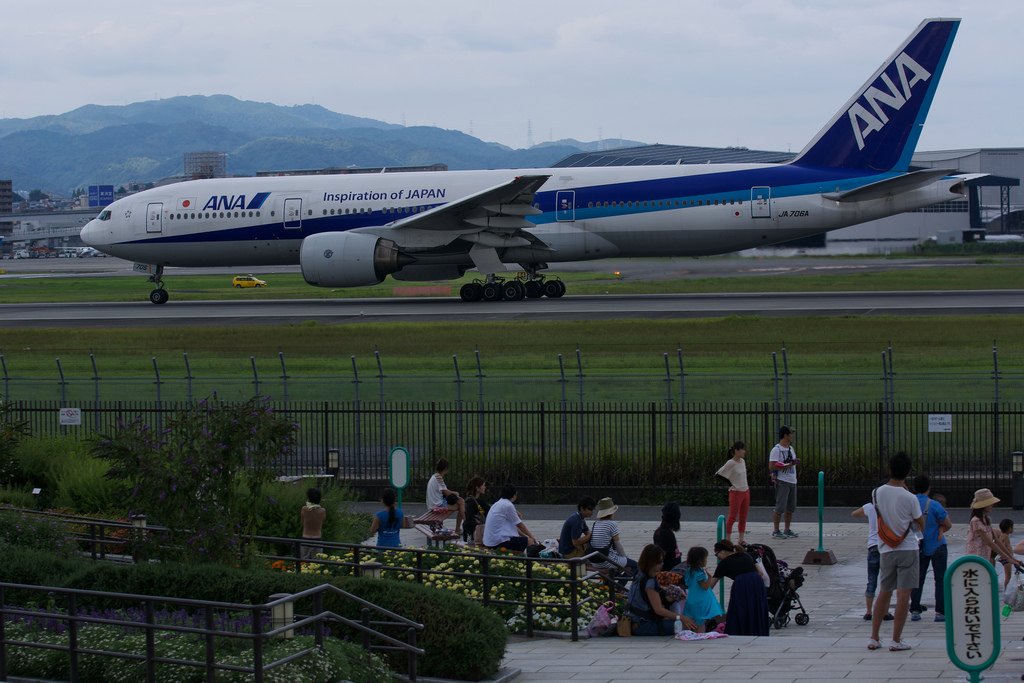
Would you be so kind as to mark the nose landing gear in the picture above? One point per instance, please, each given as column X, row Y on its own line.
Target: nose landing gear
column 159, row 295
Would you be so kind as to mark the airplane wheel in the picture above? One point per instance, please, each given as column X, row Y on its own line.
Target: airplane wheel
column 471, row 292
column 159, row 296
column 533, row 289
column 492, row 292
column 553, row 289
column 513, row 291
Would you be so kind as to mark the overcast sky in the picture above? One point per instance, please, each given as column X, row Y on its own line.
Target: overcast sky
column 763, row 75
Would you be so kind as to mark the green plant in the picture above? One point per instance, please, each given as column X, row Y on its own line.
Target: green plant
column 462, row 639
column 188, row 476
column 277, row 512
column 12, row 430
column 39, row 533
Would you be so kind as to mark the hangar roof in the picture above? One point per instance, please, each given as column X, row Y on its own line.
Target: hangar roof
column 666, row 155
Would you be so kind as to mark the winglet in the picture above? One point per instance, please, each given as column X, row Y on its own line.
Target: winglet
column 879, row 127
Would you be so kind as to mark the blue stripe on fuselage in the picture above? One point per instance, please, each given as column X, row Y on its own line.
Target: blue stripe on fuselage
column 784, row 181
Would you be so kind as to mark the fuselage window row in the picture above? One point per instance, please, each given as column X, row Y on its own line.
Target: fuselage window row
column 670, row 203
column 193, row 217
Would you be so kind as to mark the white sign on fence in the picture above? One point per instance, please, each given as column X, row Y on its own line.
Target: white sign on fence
column 71, row 417
column 940, row 423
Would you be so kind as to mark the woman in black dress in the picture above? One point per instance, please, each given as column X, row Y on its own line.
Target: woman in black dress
column 748, row 603
column 665, row 537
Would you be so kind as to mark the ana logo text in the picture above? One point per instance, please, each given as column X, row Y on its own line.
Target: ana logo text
column 235, row 202
column 865, row 122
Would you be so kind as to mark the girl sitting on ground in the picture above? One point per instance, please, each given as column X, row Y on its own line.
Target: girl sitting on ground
column 701, row 604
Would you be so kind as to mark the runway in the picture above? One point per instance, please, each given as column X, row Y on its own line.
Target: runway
column 648, row 307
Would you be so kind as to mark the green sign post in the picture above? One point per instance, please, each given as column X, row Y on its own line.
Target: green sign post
column 399, row 461
column 972, row 615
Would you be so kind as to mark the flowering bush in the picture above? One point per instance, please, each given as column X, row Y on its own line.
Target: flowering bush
column 336, row 661
column 461, row 572
column 203, row 475
column 40, row 533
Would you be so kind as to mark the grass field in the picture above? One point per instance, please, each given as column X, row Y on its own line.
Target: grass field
column 730, row 345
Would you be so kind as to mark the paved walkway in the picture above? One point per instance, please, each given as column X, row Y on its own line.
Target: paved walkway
column 832, row 646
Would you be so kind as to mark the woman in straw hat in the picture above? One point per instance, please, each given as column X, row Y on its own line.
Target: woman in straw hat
column 604, row 538
column 980, row 539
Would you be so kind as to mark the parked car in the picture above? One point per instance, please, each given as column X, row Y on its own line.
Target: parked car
column 247, row 281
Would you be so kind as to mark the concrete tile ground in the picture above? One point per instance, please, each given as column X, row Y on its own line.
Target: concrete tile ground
column 832, row 646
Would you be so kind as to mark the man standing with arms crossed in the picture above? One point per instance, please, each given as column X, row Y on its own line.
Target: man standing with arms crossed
column 783, row 465
column 900, row 511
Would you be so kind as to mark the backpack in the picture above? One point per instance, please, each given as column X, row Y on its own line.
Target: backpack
column 885, row 532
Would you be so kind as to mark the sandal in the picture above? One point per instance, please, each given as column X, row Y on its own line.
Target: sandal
column 895, row 646
column 873, row 644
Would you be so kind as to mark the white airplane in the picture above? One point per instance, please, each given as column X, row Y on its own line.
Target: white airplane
column 354, row 230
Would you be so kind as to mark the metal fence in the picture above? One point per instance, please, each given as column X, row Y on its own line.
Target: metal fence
column 638, row 452
column 668, row 378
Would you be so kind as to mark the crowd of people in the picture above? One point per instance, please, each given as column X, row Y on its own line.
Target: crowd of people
column 667, row 589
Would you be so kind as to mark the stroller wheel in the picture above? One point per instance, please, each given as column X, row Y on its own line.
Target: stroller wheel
column 802, row 619
column 780, row 621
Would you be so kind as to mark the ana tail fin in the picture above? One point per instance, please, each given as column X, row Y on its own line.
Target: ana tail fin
column 879, row 127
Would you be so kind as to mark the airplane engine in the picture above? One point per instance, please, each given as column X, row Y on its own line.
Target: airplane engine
column 346, row 259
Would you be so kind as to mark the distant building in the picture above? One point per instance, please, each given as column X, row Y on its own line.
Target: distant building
column 6, row 207
column 206, row 165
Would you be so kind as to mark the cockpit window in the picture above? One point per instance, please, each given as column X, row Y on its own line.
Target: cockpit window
column 105, row 215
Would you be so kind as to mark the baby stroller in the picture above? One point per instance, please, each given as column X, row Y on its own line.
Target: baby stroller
column 782, row 587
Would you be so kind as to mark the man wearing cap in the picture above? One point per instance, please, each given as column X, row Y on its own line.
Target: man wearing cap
column 783, row 462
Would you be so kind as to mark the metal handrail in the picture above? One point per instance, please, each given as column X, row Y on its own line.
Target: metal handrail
column 576, row 566
column 258, row 637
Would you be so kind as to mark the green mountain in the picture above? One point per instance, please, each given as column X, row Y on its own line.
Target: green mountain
column 147, row 141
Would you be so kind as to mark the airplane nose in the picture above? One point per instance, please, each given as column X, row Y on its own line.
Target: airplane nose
column 90, row 234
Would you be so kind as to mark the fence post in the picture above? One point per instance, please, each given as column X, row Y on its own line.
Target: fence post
column 7, row 382
column 284, row 378
column 255, row 377
column 96, row 390
column 188, row 377
column 654, row 450
column 479, row 399
column 458, row 401
column 668, row 397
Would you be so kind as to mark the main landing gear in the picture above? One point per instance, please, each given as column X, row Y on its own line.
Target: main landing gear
column 158, row 295
column 499, row 289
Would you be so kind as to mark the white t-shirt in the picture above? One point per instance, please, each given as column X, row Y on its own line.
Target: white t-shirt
column 435, row 485
column 869, row 510
column 785, row 455
column 502, row 523
column 898, row 508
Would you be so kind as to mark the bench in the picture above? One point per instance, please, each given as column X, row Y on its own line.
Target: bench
column 435, row 539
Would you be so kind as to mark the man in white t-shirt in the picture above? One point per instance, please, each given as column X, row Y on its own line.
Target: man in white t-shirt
column 899, row 510
column 783, row 462
column 505, row 528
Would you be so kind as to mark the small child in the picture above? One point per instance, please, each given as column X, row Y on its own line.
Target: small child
column 1002, row 539
column 701, row 604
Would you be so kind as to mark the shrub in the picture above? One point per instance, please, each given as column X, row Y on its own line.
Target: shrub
column 12, row 430
column 82, row 485
column 188, row 477
column 40, row 533
column 462, row 639
column 277, row 513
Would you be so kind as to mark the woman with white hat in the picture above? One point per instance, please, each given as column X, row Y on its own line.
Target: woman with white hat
column 980, row 539
column 604, row 538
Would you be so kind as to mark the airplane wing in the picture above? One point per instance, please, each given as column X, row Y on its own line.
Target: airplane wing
column 495, row 217
column 891, row 186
